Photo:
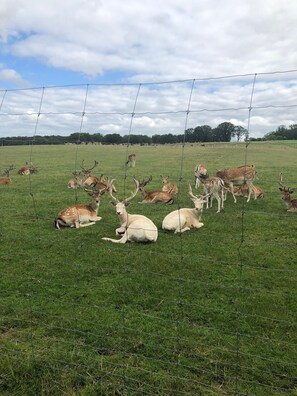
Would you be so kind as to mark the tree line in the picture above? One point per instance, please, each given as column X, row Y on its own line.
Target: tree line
column 224, row 132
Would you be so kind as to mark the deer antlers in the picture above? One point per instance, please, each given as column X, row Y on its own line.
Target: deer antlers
column 88, row 170
column 283, row 187
column 126, row 200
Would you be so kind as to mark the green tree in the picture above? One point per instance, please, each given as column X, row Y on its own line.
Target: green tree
column 239, row 132
column 223, row 132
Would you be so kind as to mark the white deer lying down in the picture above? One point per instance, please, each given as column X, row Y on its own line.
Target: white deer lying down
column 182, row 220
column 77, row 216
column 134, row 227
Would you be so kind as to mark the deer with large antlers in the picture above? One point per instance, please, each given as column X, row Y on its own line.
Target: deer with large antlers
column 244, row 174
column 6, row 179
column 134, row 227
column 291, row 204
column 78, row 216
column 90, row 180
column 168, row 187
column 154, row 196
column 184, row 219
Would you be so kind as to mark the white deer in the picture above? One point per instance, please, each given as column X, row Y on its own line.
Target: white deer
column 134, row 227
column 78, row 216
column 184, row 219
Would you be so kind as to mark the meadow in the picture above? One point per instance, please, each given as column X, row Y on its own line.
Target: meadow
column 211, row 311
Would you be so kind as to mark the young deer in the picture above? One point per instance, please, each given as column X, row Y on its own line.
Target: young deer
column 134, row 227
column 90, row 180
column 168, row 187
column 6, row 179
column 244, row 174
column 182, row 220
column 291, row 204
column 202, row 171
column 154, row 196
column 131, row 161
column 213, row 187
column 78, row 216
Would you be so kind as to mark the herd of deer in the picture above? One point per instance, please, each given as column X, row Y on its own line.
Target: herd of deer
column 138, row 228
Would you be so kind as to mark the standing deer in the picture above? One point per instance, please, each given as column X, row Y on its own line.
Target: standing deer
column 78, row 216
column 168, row 187
column 213, row 187
column 90, row 180
column 184, row 219
column 244, row 174
column 6, row 179
column 291, row 204
column 202, row 171
column 134, row 227
column 154, row 196
column 131, row 161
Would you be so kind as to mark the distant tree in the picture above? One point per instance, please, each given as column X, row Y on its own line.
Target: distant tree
column 223, row 132
column 112, row 138
column 202, row 133
column 239, row 132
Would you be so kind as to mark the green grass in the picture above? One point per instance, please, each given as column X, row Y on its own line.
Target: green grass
column 211, row 311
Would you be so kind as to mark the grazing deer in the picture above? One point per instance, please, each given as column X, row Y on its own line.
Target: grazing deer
column 6, row 179
column 291, row 204
column 184, row 219
column 28, row 169
column 202, row 171
column 90, row 180
column 154, row 196
column 78, row 216
column 244, row 174
column 76, row 182
column 131, row 161
column 168, row 187
column 243, row 191
column 134, row 227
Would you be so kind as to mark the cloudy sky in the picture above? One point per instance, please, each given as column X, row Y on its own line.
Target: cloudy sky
column 162, row 60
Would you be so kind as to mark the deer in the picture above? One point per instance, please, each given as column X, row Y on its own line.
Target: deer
column 28, row 169
column 184, row 219
column 78, row 216
column 168, row 187
column 291, row 204
column 6, row 179
column 131, row 161
column 244, row 174
column 154, row 196
column 213, row 187
column 242, row 191
column 201, row 170
column 90, row 180
column 102, row 183
column 76, row 182
column 134, row 227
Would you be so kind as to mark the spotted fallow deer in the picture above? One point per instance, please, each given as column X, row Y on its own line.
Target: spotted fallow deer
column 244, row 174
column 131, row 160
column 184, row 219
column 168, row 187
column 134, row 227
column 213, row 187
column 243, row 191
column 199, row 170
column 90, row 180
column 291, row 204
column 6, row 179
column 78, row 216
column 154, row 196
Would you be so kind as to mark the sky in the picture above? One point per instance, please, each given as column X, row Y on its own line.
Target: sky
column 153, row 67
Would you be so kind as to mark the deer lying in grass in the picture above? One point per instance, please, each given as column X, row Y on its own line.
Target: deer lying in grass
column 76, row 182
column 244, row 174
column 202, row 171
column 168, row 187
column 102, row 183
column 154, row 196
column 213, row 187
column 131, row 161
column 90, row 180
column 243, row 191
column 291, row 204
column 28, row 169
column 6, row 179
column 134, row 227
column 184, row 219
column 78, row 216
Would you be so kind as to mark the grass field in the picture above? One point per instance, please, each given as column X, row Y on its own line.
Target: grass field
column 208, row 312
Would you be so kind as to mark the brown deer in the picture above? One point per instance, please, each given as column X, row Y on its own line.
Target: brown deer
column 168, row 187
column 291, row 204
column 201, row 171
column 28, row 169
column 131, row 161
column 76, row 182
column 6, row 179
column 90, row 180
column 244, row 174
column 243, row 191
column 154, row 196
column 78, row 216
